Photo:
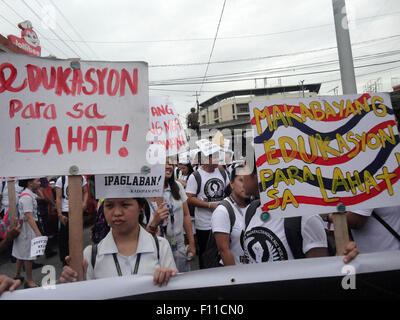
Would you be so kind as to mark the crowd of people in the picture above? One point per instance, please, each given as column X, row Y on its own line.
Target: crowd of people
column 205, row 206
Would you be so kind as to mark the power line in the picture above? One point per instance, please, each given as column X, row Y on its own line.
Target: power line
column 274, row 77
column 227, row 38
column 73, row 28
column 36, row 30
column 270, row 57
column 62, row 29
column 285, row 68
column 66, row 44
column 213, row 45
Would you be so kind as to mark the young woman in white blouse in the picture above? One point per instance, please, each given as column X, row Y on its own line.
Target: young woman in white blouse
column 173, row 210
column 227, row 240
column 127, row 249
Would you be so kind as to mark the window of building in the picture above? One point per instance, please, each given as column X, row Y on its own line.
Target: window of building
column 216, row 115
column 203, row 119
column 242, row 108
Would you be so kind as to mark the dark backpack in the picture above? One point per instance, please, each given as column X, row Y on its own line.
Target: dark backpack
column 100, row 227
column 292, row 226
column 211, row 256
column 62, row 186
column 197, row 176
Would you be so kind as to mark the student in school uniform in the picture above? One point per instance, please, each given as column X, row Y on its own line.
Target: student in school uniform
column 227, row 230
column 127, row 249
column 177, row 217
column 28, row 212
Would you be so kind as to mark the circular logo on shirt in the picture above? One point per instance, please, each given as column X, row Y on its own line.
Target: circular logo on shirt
column 262, row 245
column 214, row 189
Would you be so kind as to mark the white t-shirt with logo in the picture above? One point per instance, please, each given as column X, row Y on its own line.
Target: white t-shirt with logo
column 373, row 236
column 266, row 241
column 64, row 201
column 221, row 222
column 211, row 190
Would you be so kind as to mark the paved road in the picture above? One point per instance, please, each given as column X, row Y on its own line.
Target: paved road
column 8, row 268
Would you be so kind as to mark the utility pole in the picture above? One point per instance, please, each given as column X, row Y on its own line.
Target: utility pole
column 344, row 47
column 349, row 87
column 302, row 86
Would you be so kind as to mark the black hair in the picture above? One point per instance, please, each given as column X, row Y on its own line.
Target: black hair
column 24, row 183
column 174, row 187
column 190, row 167
column 228, row 189
column 143, row 204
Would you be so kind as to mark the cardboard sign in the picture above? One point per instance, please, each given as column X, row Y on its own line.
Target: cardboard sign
column 317, row 153
column 208, row 147
column 59, row 114
column 165, row 127
column 38, row 246
column 143, row 185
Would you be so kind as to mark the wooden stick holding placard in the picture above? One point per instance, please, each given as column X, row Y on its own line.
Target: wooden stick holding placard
column 340, row 230
column 75, row 224
column 12, row 208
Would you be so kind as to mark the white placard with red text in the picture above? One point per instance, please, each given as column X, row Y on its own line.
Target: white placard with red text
column 165, row 127
column 60, row 113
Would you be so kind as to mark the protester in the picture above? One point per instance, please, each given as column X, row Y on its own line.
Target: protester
column 185, row 170
column 62, row 211
column 27, row 206
column 205, row 189
column 227, row 233
column 4, row 196
column 193, row 120
column 44, row 200
column 375, row 230
column 13, row 232
column 267, row 240
column 127, row 249
column 175, row 211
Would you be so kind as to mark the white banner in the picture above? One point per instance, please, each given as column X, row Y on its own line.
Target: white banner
column 322, row 154
column 57, row 115
column 147, row 184
column 231, row 277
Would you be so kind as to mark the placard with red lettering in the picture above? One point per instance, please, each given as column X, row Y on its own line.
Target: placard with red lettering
column 61, row 114
column 323, row 154
column 165, row 127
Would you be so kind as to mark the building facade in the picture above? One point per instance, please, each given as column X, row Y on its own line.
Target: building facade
column 230, row 110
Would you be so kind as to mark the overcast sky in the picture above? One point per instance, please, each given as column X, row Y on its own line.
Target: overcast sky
column 262, row 34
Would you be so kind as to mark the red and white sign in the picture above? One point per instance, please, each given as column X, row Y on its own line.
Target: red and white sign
column 59, row 115
column 165, row 127
column 29, row 41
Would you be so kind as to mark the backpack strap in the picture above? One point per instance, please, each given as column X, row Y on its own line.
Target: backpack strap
column 197, row 176
column 62, row 186
column 386, row 225
column 94, row 255
column 157, row 246
column 293, row 235
column 251, row 210
column 232, row 216
column 223, row 173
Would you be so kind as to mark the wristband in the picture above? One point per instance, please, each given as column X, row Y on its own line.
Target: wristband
column 209, row 205
column 154, row 229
